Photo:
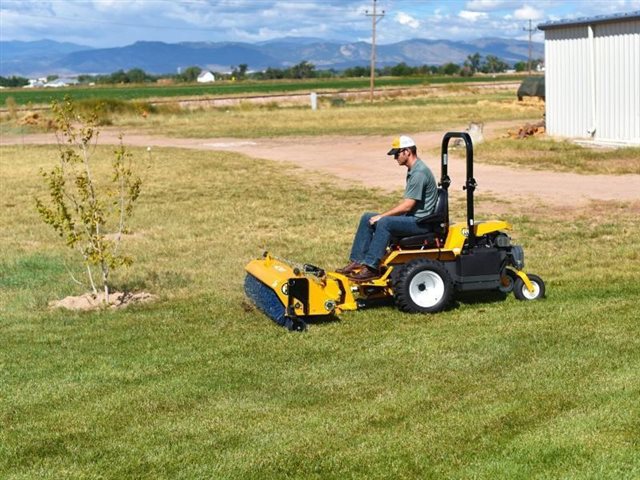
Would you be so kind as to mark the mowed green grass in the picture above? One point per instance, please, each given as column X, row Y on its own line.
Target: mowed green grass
column 201, row 385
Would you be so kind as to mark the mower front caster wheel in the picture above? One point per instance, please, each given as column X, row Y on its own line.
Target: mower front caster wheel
column 521, row 291
column 423, row 286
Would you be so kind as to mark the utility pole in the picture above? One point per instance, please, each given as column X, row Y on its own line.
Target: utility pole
column 530, row 30
column 374, row 20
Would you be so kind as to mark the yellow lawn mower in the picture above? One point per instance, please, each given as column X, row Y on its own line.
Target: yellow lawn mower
column 422, row 273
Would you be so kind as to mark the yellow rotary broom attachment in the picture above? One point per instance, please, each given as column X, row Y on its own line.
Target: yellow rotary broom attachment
column 290, row 294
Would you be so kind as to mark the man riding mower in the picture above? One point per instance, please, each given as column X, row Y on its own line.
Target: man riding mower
column 422, row 273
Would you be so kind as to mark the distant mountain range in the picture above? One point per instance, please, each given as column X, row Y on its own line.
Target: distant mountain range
column 47, row 57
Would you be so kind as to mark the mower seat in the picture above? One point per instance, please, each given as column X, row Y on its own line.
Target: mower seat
column 438, row 221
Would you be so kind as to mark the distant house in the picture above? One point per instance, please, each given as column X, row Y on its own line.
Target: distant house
column 36, row 82
column 61, row 82
column 57, row 83
column 206, row 77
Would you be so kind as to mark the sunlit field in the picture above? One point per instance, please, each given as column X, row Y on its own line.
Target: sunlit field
column 201, row 385
column 357, row 116
column 452, row 107
column 541, row 153
column 392, row 111
column 152, row 92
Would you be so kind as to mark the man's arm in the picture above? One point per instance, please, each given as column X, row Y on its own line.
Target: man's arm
column 405, row 206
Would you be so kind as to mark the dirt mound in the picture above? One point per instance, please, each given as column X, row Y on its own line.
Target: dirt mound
column 89, row 301
column 36, row 120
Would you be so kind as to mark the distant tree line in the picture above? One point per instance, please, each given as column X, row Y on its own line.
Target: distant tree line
column 473, row 64
column 13, row 81
column 523, row 66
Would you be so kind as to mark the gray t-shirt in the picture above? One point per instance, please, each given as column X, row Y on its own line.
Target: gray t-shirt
column 421, row 187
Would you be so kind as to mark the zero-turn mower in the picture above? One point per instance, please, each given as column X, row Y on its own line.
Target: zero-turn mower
column 422, row 274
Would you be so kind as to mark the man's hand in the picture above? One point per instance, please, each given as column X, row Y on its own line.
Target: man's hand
column 405, row 206
column 374, row 219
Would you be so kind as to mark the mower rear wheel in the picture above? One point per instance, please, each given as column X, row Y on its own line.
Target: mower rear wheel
column 521, row 291
column 423, row 286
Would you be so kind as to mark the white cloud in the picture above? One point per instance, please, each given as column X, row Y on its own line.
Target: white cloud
column 472, row 16
column 113, row 6
column 105, row 23
column 484, row 5
column 407, row 20
column 528, row 13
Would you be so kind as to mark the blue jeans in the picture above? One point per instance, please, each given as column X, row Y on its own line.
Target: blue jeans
column 370, row 243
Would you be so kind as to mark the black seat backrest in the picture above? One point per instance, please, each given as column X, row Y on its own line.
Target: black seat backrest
column 439, row 223
column 439, row 219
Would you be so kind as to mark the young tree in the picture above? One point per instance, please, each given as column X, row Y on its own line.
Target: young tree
column 402, row 70
column 273, row 73
column 450, row 68
column 190, row 74
column 355, row 72
column 137, row 75
column 119, row 77
column 303, row 69
column 241, row 72
column 523, row 66
column 520, row 66
column 90, row 217
column 493, row 64
column 473, row 62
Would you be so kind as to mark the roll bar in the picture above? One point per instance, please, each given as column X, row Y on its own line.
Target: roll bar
column 470, row 183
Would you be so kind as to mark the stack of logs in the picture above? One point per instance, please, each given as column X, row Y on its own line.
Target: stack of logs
column 528, row 130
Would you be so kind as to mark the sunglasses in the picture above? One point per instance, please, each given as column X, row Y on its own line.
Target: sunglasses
column 397, row 154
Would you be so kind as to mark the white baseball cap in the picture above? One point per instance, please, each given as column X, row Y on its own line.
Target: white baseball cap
column 399, row 143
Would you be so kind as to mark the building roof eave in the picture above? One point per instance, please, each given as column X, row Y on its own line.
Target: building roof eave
column 635, row 15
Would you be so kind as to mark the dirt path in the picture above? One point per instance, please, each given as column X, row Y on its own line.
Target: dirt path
column 362, row 159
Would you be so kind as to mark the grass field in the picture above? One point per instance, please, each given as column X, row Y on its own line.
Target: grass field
column 389, row 115
column 454, row 105
column 392, row 112
column 227, row 88
column 200, row 385
column 541, row 153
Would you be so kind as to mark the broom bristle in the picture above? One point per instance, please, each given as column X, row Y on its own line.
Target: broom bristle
column 267, row 301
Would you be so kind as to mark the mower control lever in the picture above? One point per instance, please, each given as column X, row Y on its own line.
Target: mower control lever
column 313, row 270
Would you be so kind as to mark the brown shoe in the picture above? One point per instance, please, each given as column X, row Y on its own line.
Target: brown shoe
column 351, row 268
column 364, row 275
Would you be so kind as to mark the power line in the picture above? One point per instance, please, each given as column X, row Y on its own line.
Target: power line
column 374, row 20
column 530, row 30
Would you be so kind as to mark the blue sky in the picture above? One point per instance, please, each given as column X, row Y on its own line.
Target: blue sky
column 110, row 23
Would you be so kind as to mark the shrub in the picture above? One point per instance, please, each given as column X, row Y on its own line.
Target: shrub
column 90, row 220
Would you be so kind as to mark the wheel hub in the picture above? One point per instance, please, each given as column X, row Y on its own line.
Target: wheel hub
column 531, row 295
column 426, row 289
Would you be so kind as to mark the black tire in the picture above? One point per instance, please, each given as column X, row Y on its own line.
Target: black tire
column 521, row 291
column 423, row 286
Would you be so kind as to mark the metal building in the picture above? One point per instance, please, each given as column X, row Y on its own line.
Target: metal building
column 592, row 70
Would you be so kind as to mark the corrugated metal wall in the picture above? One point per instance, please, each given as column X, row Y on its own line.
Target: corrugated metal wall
column 594, row 83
